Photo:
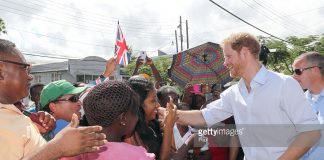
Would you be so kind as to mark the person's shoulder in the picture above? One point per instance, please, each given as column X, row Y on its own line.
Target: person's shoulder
column 284, row 81
column 280, row 76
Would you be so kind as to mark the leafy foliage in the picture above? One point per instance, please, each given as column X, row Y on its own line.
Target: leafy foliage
column 2, row 27
column 162, row 64
column 281, row 59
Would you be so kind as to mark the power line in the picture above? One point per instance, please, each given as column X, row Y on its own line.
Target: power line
column 290, row 21
column 32, row 53
column 249, row 23
column 62, row 39
column 88, row 26
column 101, row 19
column 150, row 22
column 270, row 18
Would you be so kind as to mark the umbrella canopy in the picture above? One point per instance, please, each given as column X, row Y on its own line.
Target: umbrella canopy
column 201, row 64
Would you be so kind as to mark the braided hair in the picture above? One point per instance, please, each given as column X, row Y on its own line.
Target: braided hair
column 107, row 101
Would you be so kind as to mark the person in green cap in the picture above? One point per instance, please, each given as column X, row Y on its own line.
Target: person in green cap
column 61, row 99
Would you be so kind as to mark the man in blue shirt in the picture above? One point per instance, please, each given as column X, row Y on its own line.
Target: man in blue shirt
column 309, row 72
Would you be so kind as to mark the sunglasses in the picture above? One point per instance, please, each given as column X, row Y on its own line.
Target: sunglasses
column 301, row 70
column 72, row 99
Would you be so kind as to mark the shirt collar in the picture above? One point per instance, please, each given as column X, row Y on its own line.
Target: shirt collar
column 258, row 80
column 10, row 107
column 309, row 95
column 261, row 76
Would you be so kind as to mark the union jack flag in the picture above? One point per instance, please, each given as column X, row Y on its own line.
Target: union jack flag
column 121, row 48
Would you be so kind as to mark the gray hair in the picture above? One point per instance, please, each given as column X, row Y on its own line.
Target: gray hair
column 313, row 59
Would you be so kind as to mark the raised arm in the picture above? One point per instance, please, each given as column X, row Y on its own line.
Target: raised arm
column 110, row 67
column 139, row 62
column 155, row 72
column 165, row 151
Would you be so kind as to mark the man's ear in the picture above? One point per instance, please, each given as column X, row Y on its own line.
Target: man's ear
column 52, row 107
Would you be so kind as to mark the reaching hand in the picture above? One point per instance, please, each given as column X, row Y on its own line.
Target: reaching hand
column 47, row 122
column 139, row 62
column 170, row 114
column 149, row 61
column 72, row 141
column 110, row 66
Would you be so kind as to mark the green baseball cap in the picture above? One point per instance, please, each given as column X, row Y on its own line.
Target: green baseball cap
column 56, row 89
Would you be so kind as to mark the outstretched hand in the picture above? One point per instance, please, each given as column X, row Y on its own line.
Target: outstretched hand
column 72, row 141
column 170, row 114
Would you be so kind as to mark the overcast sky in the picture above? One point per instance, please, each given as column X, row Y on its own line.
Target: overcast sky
column 80, row 28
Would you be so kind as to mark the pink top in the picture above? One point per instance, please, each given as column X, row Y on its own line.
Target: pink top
column 116, row 150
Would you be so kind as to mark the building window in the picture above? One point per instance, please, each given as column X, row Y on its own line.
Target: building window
column 86, row 78
column 56, row 76
column 37, row 79
column 80, row 78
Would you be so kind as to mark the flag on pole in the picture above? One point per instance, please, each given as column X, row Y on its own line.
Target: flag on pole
column 121, row 48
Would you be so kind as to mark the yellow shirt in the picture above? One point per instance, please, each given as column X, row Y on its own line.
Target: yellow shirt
column 18, row 135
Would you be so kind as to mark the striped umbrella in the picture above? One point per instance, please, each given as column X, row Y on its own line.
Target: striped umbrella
column 201, row 64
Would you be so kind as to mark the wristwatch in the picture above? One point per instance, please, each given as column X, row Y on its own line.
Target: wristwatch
column 102, row 76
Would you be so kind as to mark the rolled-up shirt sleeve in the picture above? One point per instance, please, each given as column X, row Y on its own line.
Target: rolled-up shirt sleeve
column 217, row 111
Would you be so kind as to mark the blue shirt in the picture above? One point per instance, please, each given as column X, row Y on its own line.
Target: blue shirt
column 275, row 106
column 32, row 108
column 317, row 151
column 59, row 125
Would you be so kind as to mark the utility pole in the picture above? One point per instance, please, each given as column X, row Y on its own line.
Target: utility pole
column 176, row 38
column 181, row 36
column 187, row 34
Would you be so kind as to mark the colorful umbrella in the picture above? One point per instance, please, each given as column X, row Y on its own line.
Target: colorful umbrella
column 201, row 64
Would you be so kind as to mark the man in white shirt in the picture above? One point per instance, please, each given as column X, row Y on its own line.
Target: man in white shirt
column 309, row 72
column 261, row 97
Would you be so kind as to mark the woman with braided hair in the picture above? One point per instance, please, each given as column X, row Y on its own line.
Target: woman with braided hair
column 147, row 131
column 114, row 106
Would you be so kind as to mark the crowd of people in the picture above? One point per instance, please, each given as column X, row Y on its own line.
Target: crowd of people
column 142, row 119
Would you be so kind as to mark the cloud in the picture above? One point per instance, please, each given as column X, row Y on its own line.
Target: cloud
column 87, row 28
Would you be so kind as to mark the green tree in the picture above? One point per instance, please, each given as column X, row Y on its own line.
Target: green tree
column 2, row 27
column 281, row 59
column 162, row 64
column 319, row 45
